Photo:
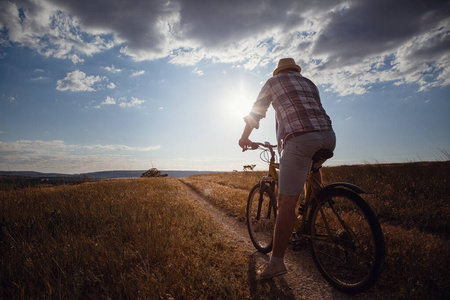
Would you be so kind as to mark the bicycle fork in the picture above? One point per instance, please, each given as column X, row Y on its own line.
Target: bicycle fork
column 301, row 236
column 262, row 187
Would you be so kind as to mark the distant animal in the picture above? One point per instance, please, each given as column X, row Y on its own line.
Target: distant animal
column 249, row 167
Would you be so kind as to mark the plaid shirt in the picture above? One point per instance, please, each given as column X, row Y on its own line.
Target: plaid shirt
column 296, row 102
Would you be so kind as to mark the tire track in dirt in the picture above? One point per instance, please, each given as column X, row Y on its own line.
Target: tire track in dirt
column 303, row 280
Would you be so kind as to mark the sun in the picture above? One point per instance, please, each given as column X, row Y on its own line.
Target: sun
column 240, row 107
column 238, row 102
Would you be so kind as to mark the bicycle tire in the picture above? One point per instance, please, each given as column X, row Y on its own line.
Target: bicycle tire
column 352, row 262
column 261, row 225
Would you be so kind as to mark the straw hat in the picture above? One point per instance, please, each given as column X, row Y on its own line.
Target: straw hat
column 286, row 63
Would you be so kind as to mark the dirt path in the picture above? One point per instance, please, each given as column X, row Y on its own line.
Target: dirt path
column 303, row 280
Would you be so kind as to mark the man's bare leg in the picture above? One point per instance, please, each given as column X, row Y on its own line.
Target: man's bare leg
column 283, row 230
column 284, row 224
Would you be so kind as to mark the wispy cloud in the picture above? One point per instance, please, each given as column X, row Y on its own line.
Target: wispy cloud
column 197, row 71
column 108, row 101
column 39, row 78
column 137, row 73
column 134, row 102
column 112, row 69
column 77, row 81
column 121, row 102
column 58, row 156
column 121, row 148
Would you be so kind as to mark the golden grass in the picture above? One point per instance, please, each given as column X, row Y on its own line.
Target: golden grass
column 412, row 202
column 414, row 195
column 123, row 239
column 237, row 180
column 147, row 238
column 417, row 264
column 222, row 196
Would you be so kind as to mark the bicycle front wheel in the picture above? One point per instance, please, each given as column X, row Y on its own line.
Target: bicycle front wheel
column 347, row 242
column 261, row 215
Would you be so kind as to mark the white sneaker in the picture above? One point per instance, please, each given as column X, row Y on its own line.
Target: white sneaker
column 273, row 271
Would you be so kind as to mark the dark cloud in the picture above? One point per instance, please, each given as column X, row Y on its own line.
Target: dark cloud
column 437, row 47
column 211, row 24
column 216, row 23
column 324, row 35
column 350, row 32
column 133, row 21
column 368, row 28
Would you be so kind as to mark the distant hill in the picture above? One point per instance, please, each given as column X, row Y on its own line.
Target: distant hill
column 32, row 174
column 100, row 175
column 115, row 174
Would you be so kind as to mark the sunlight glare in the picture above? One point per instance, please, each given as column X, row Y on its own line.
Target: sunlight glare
column 238, row 102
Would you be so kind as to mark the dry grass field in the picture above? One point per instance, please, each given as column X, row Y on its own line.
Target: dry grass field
column 412, row 202
column 124, row 239
column 147, row 238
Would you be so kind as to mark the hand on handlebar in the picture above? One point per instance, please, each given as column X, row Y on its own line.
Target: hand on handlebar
column 245, row 144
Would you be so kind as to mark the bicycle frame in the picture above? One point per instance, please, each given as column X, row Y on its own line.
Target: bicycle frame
column 311, row 189
column 272, row 177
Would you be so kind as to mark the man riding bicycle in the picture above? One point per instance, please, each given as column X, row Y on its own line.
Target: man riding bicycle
column 303, row 128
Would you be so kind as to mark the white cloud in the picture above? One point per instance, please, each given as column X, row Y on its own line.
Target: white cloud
column 134, row 102
column 121, row 148
column 197, row 71
column 39, row 78
column 52, row 32
column 186, row 57
column 26, row 146
column 112, row 69
column 111, row 86
column 121, row 102
column 77, row 81
column 108, row 101
column 137, row 73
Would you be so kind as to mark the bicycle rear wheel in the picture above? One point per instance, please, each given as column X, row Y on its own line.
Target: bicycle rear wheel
column 347, row 242
column 261, row 215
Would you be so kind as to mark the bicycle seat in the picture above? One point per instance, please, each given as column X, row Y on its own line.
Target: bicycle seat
column 322, row 154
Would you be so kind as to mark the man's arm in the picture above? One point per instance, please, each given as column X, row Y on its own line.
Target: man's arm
column 245, row 142
column 258, row 112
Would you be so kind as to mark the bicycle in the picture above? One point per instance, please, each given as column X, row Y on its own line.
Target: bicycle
column 345, row 237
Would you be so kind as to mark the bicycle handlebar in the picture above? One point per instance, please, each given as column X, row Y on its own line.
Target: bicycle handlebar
column 267, row 145
column 256, row 145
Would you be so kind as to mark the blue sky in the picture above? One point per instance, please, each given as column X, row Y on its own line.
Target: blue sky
column 86, row 86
